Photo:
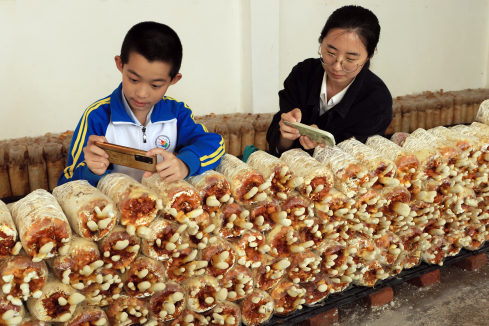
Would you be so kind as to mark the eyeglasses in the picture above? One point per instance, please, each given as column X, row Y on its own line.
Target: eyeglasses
column 347, row 65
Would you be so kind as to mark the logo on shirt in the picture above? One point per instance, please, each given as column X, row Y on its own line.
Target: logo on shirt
column 162, row 142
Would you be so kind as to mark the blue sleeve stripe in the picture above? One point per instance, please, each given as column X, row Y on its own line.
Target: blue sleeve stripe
column 221, row 153
column 207, row 157
column 212, row 157
column 80, row 140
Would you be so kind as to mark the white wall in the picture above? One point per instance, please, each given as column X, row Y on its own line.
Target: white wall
column 58, row 55
column 424, row 45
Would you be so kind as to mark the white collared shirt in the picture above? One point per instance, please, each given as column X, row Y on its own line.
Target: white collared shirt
column 326, row 105
column 131, row 114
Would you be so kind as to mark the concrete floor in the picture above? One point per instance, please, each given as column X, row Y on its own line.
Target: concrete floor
column 461, row 299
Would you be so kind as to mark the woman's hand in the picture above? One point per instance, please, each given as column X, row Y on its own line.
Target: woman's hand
column 307, row 143
column 288, row 134
column 171, row 169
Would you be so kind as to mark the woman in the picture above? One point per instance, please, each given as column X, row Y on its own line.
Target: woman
column 337, row 92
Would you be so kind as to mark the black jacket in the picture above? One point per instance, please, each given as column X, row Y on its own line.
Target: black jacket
column 364, row 111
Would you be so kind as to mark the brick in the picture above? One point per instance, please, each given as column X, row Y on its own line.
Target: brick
column 327, row 318
column 379, row 298
column 426, row 279
column 473, row 263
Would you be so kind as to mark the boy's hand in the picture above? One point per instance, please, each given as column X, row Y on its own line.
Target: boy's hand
column 307, row 143
column 171, row 169
column 96, row 158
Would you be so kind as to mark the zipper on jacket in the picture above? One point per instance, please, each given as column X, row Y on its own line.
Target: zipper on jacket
column 144, row 134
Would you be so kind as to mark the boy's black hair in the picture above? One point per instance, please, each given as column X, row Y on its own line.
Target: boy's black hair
column 155, row 42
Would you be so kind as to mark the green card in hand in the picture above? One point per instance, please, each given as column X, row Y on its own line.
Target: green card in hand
column 315, row 134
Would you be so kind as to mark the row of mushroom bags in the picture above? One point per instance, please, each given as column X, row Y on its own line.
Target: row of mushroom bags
column 247, row 241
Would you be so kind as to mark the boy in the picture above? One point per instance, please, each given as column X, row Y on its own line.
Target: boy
column 139, row 115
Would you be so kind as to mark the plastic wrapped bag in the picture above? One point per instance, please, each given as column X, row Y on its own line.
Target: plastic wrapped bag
column 317, row 290
column 9, row 244
column 238, row 282
column 180, row 200
column 295, row 211
column 483, row 113
column 264, row 214
column 183, row 264
column 287, row 297
column 91, row 213
column 261, row 127
column 119, row 249
column 250, row 249
column 214, row 190
column 399, row 138
column 55, row 162
column 119, row 311
column 406, row 164
column 144, row 277
column 247, row 184
column 37, row 168
column 18, row 171
column 451, row 153
column 168, row 303
column 432, row 164
column 136, row 204
column 318, row 178
column 421, row 108
column 43, row 227
column 304, row 267
column 221, row 256
column 103, row 293
column 228, row 313
column 381, row 169
column 350, row 176
column 203, row 293
column 275, row 171
column 18, row 270
column 231, row 221
column 29, row 320
column 165, row 238
column 223, row 130
column 13, row 313
column 5, row 190
column 88, row 315
column 200, row 235
column 257, row 308
column 247, row 135
column 284, row 241
column 235, row 137
column 77, row 266
column 406, row 115
column 50, row 307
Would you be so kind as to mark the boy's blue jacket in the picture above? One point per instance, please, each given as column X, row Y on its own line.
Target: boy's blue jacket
column 172, row 127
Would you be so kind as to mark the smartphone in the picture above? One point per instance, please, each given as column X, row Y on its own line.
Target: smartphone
column 315, row 134
column 130, row 157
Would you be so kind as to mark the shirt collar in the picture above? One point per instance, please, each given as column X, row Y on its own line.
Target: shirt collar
column 344, row 106
column 161, row 111
column 335, row 99
column 131, row 114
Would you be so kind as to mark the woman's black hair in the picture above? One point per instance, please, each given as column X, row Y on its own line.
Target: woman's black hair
column 355, row 19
